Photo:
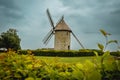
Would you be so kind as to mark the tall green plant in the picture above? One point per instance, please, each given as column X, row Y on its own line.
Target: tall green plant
column 108, row 65
column 107, row 42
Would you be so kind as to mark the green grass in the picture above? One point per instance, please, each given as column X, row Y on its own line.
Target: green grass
column 66, row 59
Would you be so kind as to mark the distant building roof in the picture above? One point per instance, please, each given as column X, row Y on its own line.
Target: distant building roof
column 62, row 26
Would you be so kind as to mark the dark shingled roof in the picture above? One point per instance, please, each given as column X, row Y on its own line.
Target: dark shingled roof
column 62, row 26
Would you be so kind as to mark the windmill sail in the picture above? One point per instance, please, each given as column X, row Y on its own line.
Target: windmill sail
column 48, row 37
column 50, row 18
column 47, row 41
column 60, row 19
column 77, row 40
column 51, row 32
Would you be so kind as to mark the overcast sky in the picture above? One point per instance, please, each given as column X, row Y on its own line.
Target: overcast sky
column 84, row 17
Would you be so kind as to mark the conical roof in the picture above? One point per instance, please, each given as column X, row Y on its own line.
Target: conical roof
column 62, row 26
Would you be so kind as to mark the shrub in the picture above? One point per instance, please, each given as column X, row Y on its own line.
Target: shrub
column 27, row 67
column 60, row 53
column 115, row 53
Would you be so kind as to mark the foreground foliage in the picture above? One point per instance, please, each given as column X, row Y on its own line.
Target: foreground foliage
column 28, row 67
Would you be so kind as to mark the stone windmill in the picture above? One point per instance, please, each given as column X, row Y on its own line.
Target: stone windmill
column 62, row 34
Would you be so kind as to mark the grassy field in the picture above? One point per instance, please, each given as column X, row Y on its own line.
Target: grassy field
column 66, row 59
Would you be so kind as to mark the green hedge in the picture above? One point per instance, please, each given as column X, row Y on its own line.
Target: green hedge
column 59, row 53
column 115, row 53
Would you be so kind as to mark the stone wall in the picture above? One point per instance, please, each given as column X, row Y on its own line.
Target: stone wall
column 62, row 40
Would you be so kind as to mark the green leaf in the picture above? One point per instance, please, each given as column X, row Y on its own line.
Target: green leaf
column 107, row 53
column 95, row 53
column 103, row 32
column 29, row 78
column 101, row 47
column 112, row 41
column 95, row 75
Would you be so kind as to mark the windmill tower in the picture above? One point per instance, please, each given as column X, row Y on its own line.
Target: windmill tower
column 62, row 34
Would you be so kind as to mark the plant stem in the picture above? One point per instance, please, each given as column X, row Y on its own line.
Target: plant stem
column 106, row 43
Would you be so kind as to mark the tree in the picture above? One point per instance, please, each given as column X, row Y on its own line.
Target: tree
column 10, row 39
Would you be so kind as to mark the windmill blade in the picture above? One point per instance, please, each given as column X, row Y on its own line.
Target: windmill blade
column 77, row 40
column 48, row 37
column 50, row 18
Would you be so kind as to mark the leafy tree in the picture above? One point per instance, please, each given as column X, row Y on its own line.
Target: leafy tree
column 10, row 39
